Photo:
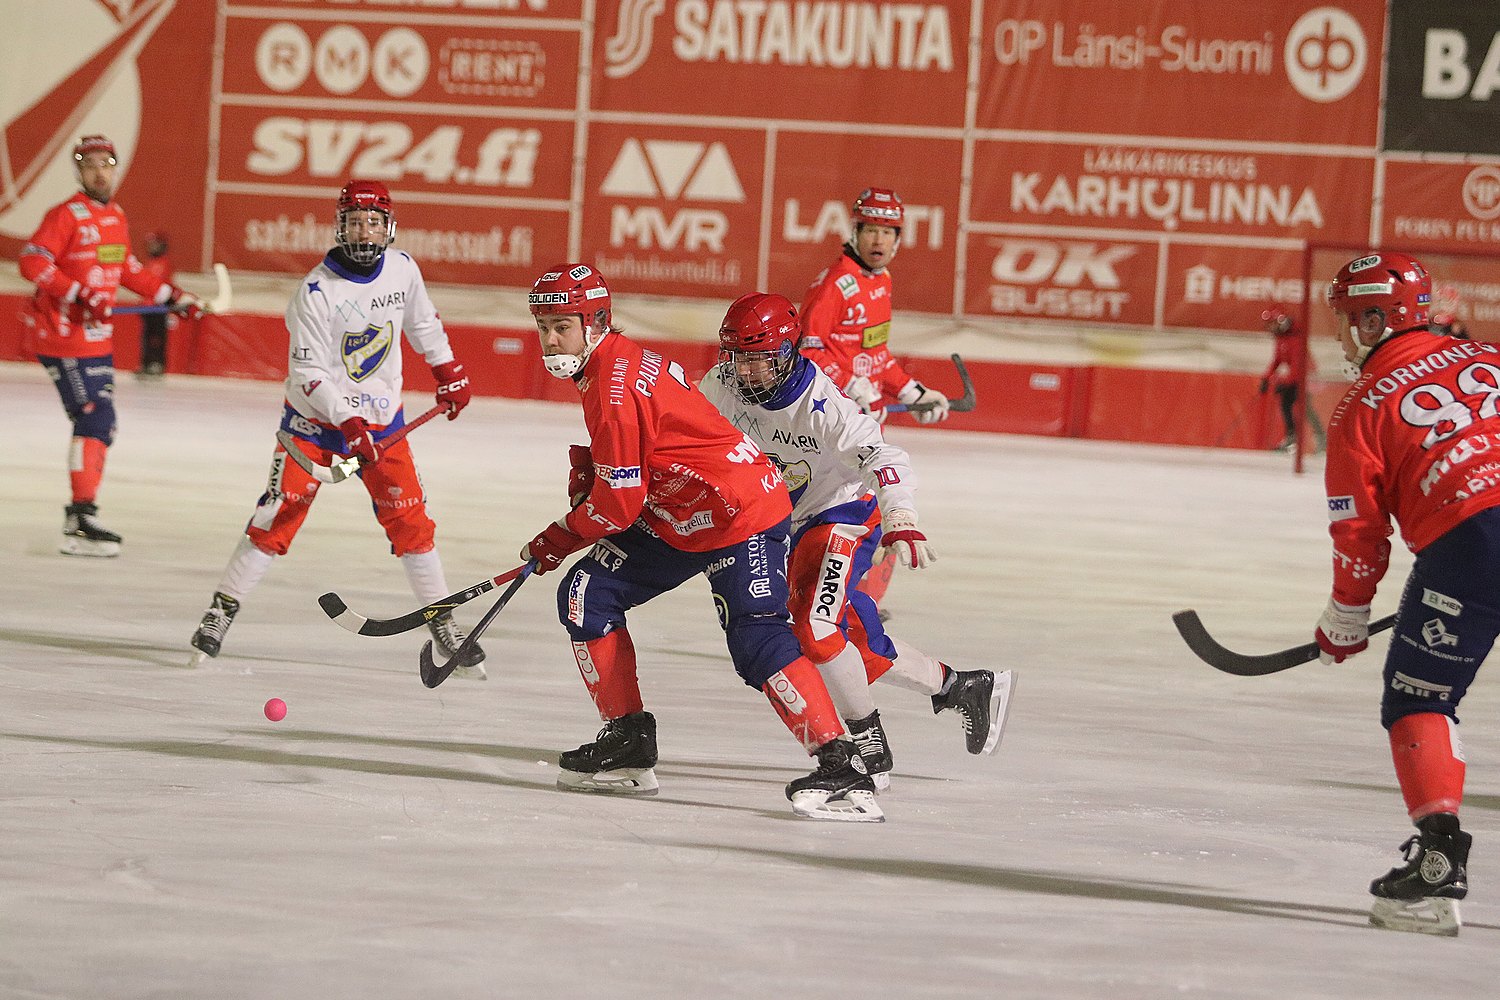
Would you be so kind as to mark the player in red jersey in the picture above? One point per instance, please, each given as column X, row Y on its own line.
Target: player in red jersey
column 846, row 326
column 668, row 490
column 78, row 259
column 846, row 315
column 1416, row 440
column 1284, row 374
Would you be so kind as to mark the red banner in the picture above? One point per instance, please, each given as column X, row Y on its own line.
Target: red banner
column 674, row 211
column 810, row 222
column 1154, row 164
column 830, row 60
column 1289, row 72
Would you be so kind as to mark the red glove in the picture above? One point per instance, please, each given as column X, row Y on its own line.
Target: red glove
column 581, row 475
column 551, row 547
column 185, row 304
column 452, row 387
column 95, row 303
column 358, row 441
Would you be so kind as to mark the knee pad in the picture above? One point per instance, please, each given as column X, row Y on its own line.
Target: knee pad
column 96, row 421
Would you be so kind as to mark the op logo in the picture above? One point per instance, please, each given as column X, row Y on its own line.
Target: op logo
column 365, row 350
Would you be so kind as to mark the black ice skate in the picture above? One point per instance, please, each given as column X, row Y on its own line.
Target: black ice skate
column 447, row 637
column 1422, row 895
column 620, row 760
column 211, row 630
column 83, row 535
column 869, row 738
column 838, row 788
column 982, row 701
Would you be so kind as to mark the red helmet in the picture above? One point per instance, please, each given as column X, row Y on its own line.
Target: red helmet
column 759, row 327
column 1277, row 319
column 92, row 144
column 1395, row 283
column 878, row 206
column 365, row 196
column 572, row 290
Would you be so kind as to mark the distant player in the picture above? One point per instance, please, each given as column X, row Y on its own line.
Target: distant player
column 1286, row 374
column 79, row 258
column 666, row 491
column 343, row 397
column 837, row 465
column 846, row 328
column 846, row 315
column 1415, row 440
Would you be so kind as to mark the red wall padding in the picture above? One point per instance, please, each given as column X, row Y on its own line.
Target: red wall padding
column 1092, row 401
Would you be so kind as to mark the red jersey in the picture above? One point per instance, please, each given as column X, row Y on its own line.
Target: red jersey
column 81, row 244
column 1417, row 439
column 846, row 321
column 1287, row 363
column 663, row 453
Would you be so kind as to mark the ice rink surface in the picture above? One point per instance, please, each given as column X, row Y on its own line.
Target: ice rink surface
column 1149, row 828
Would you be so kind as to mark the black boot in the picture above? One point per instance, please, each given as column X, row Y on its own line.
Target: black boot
column 838, row 788
column 869, row 737
column 620, row 759
column 1422, row 895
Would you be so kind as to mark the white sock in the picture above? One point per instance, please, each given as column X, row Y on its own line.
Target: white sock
column 246, row 568
column 914, row 669
column 424, row 572
column 848, row 684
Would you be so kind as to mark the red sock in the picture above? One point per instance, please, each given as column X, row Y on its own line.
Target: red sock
column 86, row 467
column 608, row 668
column 1429, row 761
column 798, row 694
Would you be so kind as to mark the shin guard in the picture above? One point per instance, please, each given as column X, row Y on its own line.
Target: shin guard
column 800, row 697
column 608, row 668
column 86, row 467
column 1429, row 760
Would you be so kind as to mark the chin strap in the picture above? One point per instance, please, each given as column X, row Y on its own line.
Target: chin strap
column 568, row 365
column 1352, row 369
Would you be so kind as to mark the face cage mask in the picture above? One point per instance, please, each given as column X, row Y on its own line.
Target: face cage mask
column 757, row 395
column 364, row 253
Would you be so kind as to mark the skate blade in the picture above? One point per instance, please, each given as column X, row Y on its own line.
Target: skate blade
column 198, row 659
column 84, row 547
column 474, row 673
column 852, row 807
column 624, row 781
column 1429, row 915
column 1005, row 685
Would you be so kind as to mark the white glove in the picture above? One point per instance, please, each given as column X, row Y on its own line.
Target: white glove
column 862, row 391
column 899, row 536
column 1342, row 631
column 927, row 406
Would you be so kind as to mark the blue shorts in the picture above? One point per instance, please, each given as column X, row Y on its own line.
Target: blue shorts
column 87, row 388
column 748, row 581
column 1447, row 622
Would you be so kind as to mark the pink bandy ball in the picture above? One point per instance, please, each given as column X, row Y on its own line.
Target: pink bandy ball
column 276, row 710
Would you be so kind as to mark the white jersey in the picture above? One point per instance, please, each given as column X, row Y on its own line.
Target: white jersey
column 345, row 350
column 829, row 450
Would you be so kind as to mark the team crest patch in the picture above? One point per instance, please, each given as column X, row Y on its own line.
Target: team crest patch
column 79, row 211
column 365, row 350
column 848, row 285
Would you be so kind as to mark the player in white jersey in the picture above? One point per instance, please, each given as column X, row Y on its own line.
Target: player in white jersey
column 343, row 398
column 852, row 493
